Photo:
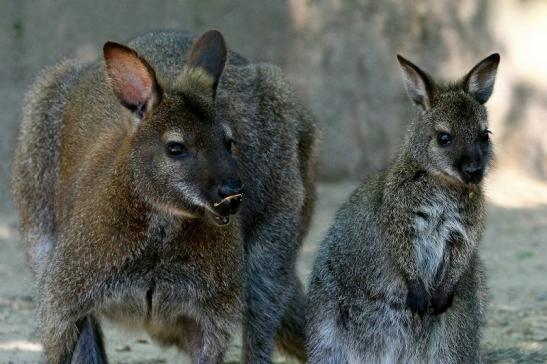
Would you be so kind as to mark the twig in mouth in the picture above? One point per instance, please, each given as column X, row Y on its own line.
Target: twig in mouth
column 228, row 199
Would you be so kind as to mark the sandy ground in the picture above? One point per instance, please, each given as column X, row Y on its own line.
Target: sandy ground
column 513, row 249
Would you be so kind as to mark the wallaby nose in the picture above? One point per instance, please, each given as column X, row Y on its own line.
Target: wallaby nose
column 231, row 194
column 230, row 188
column 472, row 173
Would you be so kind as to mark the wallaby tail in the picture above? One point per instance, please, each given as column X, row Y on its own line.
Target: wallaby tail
column 291, row 334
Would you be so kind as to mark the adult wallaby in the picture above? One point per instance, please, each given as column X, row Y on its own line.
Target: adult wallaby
column 127, row 175
column 398, row 278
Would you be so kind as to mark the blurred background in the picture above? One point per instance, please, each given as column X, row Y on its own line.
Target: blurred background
column 340, row 56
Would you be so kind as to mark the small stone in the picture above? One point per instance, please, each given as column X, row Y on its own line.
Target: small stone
column 542, row 296
column 123, row 348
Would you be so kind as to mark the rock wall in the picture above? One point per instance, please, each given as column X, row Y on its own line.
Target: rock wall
column 340, row 55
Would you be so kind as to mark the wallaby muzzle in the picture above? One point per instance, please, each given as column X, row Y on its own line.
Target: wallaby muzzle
column 472, row 167
column 472, row 174
column 230, row 195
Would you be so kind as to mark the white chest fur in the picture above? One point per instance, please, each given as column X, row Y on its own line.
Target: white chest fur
column 434, row 223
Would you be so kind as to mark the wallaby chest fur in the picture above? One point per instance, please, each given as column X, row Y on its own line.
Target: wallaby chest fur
column 440, row 214
column 102, row 244
column 162, row 282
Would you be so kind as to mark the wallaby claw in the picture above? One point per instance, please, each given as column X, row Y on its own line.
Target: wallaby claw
column 418, row 297
column 440, row 302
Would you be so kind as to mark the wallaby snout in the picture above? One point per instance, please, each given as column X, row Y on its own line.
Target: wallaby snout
column 230, row 195
column 472, row 168
column 224, row 190
column 230, row 188
column 472, row 173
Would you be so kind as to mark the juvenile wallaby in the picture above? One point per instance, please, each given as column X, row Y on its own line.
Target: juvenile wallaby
column 398, row 278
column 127, row 175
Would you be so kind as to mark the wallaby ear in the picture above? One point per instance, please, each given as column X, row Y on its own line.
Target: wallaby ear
column 479, row 82
column 133, row 79
column 419, row 86
column 209, row 53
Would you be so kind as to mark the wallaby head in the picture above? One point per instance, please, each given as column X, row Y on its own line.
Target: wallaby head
column 451, row 137
column 180, row 156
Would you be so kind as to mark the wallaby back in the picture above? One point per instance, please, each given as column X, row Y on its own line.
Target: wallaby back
column 36, row 163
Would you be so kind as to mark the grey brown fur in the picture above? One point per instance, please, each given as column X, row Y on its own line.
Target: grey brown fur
column 109, row 234
column 398, row 278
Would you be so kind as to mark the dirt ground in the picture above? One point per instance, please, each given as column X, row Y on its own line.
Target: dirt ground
column 513, row 249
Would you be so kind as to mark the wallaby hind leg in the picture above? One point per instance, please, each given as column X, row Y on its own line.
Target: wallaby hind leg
column 324, row 345
column 65, row 299
column 205, row 342
column 291, row 334
column 269, row 285
column 211, row 344
column 60, row 336
column 457, row 337
column 90, row 346
column 455, row 341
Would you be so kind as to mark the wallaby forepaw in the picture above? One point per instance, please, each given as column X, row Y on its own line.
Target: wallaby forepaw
column 418, row 297
column 440, row 302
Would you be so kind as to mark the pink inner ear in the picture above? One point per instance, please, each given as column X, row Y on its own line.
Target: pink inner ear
column 132, row 80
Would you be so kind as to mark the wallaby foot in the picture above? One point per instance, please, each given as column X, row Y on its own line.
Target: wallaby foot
column 290, row 336
column 90, row 346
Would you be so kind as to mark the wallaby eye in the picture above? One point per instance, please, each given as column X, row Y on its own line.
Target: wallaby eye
column 485, row 136
column 229, row 143
column 176, row 149
column 444, row 139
